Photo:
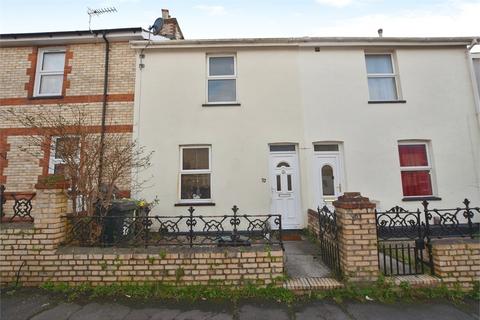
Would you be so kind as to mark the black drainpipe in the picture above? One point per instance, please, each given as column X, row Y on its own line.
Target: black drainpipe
column 104, row 108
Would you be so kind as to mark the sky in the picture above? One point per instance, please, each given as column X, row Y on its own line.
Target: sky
column 201, row 19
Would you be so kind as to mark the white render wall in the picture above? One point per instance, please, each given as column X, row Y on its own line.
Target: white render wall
column 439, row 108
column 297, row 95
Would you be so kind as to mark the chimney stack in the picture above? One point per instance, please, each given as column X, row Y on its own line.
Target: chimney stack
column 165, row 14
column 169, row 27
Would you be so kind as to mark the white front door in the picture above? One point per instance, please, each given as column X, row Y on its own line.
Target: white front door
column 328, row 178
column 285, row 188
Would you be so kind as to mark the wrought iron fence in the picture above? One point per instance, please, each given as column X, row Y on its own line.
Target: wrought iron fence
column 183, row 230
column 455, row 222
column 21, row 208
column 401, row 242
column 404, row 237
column 328, row 236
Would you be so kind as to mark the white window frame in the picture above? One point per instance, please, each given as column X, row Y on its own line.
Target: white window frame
column 393, row 75
column 39, row 72
column 226, row 77
column 194, row 171
column 54, row 161
column 428, row 168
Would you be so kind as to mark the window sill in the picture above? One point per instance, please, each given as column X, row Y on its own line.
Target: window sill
column 429, row 198
column 227, row 104
column 194, row 204
column 386, row 101
column 45, row 97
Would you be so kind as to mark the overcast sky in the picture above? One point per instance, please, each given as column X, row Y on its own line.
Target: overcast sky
column 254, row 18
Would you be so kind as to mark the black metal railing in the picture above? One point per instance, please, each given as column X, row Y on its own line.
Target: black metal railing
column 404, row 237
column 183, row 230
column 21, row 209
column 328, row 237
column 455, row 222
column 401, row 242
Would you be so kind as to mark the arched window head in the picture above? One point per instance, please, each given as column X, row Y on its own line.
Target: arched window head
column 283, row 164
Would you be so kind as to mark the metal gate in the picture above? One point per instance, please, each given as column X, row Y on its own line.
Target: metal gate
column 328, row 236
column 404, row 237
column 402, row 249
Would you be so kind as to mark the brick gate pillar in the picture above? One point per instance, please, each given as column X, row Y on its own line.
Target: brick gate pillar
column 357, row 236
column 50, row 211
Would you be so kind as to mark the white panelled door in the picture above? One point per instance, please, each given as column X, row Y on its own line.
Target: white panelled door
column 284, row 182
column 328, row 178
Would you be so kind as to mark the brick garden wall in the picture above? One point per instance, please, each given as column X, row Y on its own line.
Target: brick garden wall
column 312, row 223
column 35, row 250
column 457, row 261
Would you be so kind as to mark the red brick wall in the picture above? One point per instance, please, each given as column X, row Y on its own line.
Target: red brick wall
column 82, row 87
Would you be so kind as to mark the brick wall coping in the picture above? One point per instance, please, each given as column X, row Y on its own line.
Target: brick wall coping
column 9, row 195
column 455, row 241
column 353, row 200
column 16, row 225
column 157, row 250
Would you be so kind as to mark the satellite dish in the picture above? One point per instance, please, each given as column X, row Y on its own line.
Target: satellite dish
column 157, row 26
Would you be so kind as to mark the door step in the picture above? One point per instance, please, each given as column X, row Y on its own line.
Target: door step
column 303, row 285
column 291, row 235
column 416, row 281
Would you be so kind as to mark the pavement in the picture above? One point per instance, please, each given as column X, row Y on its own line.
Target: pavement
column 29, row 304
column 302, row 260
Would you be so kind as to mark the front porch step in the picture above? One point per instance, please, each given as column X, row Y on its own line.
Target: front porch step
column 292, row 235
column 302, row 285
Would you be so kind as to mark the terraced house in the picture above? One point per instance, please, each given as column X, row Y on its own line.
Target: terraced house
column 249, row 135
column 48, row 73
column 283, row 125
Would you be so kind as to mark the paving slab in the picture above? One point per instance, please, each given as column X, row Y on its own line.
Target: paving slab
column 262, row 312
column 146, row 314
column 60, row 312
column 302, row 260
column 402, row 311
column 23, row 306
column 321, row 310
column 95, row 311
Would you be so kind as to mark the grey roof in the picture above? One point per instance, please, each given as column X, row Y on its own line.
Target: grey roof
column 51, row 34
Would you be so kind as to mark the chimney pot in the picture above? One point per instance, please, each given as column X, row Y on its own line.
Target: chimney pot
column 165, row 14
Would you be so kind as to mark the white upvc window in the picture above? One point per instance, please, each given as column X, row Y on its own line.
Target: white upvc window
column 382, row 77
column 60, row 146
column 416, row 169
column 195, row 174
column 221, row 79
column 49, row 73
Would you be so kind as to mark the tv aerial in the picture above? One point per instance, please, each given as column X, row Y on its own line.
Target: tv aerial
column 97, row 12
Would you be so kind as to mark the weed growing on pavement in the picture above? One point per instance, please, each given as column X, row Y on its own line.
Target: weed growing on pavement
column 382, row 291
column 163, row 291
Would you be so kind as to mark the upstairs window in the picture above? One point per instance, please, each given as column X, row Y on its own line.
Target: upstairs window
column 382, row 82
column 415, row 169
column 221, row 79
column 195, row 174
column 49, row 75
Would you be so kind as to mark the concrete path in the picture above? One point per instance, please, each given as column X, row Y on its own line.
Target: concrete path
column 302, row 260
column 33, row 305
